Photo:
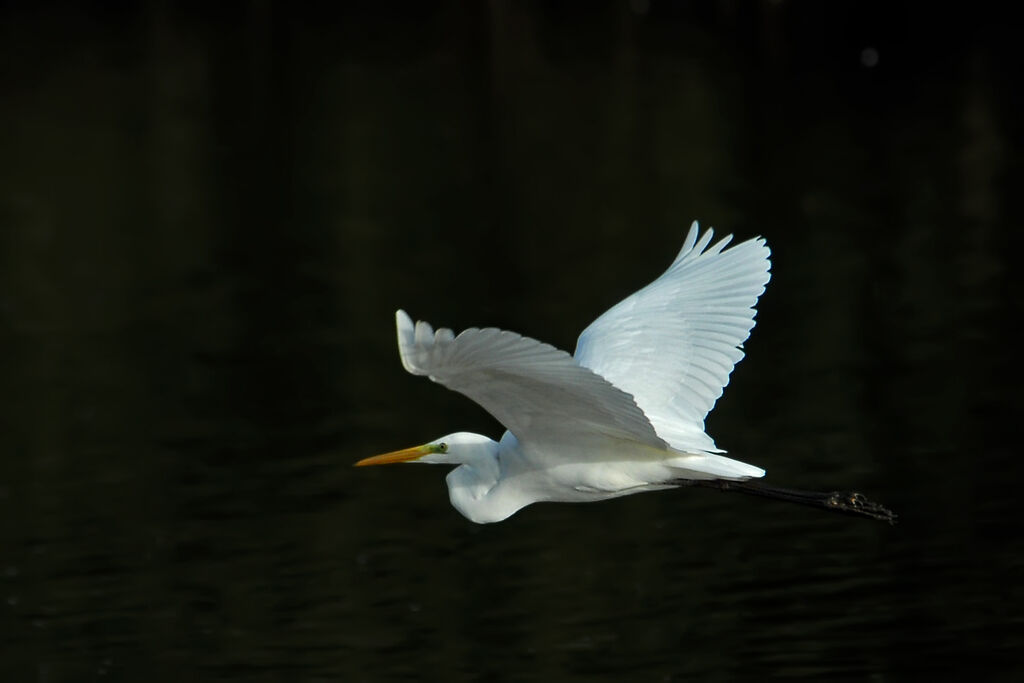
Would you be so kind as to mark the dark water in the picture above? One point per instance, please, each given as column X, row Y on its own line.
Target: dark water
column 208, row 217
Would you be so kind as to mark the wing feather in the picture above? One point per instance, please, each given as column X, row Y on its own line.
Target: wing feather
column 673, row 344
column 537, row 391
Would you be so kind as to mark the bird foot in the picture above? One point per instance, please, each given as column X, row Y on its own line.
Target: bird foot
column 858, row 504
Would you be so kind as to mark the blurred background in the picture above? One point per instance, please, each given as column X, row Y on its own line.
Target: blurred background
column 210, row 211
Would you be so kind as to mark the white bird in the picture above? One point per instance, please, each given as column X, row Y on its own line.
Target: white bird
column 624, row 414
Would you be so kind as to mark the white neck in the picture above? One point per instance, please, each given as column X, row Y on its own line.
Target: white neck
column 474, row 489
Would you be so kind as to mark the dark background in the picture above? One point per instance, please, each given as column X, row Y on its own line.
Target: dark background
column 210, row 211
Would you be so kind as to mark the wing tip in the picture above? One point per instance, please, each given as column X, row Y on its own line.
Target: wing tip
column 416, row 338
column 406, row 339
column 696, row 244
column 688, row 242
column 402, row 320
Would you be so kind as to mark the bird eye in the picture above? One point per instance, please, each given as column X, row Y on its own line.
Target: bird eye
column 443, row 447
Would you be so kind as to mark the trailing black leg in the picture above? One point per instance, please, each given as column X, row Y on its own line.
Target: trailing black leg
column 846, row 502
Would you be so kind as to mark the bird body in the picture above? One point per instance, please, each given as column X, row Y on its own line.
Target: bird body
column 623, row 415
column 496, row 479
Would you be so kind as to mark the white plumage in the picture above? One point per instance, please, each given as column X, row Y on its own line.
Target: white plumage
column 673, row 344
column 624, row 414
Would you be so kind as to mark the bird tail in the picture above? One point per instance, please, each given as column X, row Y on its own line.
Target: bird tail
column 710, row 466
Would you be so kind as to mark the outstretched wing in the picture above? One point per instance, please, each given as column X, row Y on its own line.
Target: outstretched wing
column 537, row 391
column 673, row 344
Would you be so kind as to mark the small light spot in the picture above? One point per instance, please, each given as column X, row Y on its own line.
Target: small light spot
column 640, row 6
column 869, row 57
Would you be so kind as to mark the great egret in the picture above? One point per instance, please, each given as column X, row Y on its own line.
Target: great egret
column 624, row 414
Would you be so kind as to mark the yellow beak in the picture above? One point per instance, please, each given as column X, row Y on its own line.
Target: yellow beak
column 407, row 455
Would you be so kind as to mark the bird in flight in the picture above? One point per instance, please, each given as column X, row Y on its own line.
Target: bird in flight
column 625, row 413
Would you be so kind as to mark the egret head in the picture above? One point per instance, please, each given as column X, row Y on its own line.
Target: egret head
column 455, row 449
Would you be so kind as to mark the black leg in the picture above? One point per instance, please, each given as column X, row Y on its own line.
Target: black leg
column 846, row 502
